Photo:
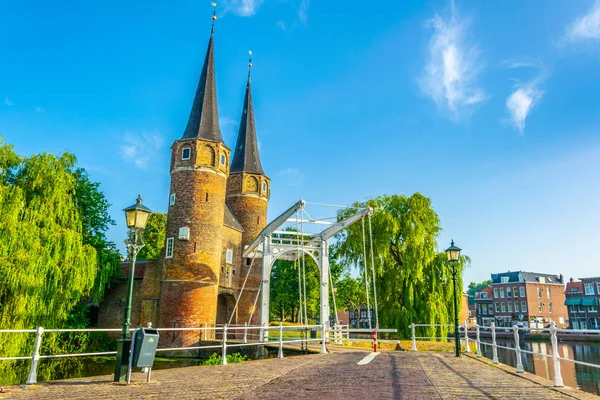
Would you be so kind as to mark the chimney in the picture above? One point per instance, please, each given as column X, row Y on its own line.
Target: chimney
column 561, row 278
column 571, row 280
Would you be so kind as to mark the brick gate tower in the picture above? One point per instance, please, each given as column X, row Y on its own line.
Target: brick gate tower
column 199, row 171
column 248, row 196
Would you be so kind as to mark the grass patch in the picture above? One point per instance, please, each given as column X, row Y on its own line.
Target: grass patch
column 215, row 359
column 446, row 347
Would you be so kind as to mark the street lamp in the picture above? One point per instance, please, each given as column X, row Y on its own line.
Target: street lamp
column 453, row 254
column 136, row 217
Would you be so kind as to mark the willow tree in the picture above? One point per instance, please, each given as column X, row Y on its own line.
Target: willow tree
column 46, row 267
column 413, row 280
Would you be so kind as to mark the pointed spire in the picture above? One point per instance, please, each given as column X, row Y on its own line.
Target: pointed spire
column 245, row 158
column 204, row 117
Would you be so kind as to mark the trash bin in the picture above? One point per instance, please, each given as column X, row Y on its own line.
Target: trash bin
column 146, row 342
column 313, row 333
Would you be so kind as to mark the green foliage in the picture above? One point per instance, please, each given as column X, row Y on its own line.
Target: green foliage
column 154, row 237
column 53, row 250
column 414, row 280
column 215, row 359
column 476, row 287
column 351, row 293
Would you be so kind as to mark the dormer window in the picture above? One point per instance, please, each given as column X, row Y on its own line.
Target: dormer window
column 504, row 279
column 223, row 159
column 186, row 153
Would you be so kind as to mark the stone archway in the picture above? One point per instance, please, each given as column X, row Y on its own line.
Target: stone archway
column 225, row 306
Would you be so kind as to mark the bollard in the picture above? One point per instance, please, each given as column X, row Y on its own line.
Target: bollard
column 324, row 338
column 224, row 353
column 280, row 355
column 468, row 348
column 375, row 340
column 414, row 339
column 477, row 341
column 494, row 345
column 518, row 350
column 558, row 381
column 35, row 357
column 245, row 332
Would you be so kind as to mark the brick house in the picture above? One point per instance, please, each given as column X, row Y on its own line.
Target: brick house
column 528, row 299
column 582, row 300
column 484, row 306
column 217, row 204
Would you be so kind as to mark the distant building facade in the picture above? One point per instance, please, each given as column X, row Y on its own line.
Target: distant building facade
column 581, row 299
column 530, row 299
column 484, row 306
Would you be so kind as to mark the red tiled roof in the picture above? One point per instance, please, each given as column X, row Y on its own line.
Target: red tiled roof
column 572, row 285
column 488, row 290
column 140, row 269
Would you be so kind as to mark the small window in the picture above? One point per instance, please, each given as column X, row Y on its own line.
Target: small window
column 516, row 306
column 223, row 159
column 172, row 199
column 483, row 295
column 169, row 248
column 504, row 279
column 522, row 291
column 539, row 290
column 265, row 187
column 598, row 287
column 523, row 306
column 248, row 261
column 548, row 292
column 497, row 306
column 185, row 153
column 503, row 307
column 540, row 307
column 229, row 256
column 510, row 307
column 501, row 292
column 184, row 233
column 508, row 292
column 515, row 293
column 549, row 307
column 589, row 288
column 495, row 293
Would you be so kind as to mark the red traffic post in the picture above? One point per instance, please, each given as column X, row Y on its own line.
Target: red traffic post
column 375, row 341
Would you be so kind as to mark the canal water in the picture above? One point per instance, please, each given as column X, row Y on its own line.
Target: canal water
column 578, row 376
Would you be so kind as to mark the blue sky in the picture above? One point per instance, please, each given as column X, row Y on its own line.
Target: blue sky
column 489, row 108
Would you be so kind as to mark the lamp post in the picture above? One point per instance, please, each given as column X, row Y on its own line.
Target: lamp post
column 453, row 254
column 136, row 217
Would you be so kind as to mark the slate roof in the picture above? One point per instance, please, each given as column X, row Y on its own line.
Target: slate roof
column 532, row 277
column 204, row 117
column 245, row 158
column 140, row 269
column 230, row 220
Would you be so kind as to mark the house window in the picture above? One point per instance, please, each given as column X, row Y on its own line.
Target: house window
column 504, row 279
column 548, row 292
column 229, row 256
column 593, row 308
column 185, row 153
column 516, row 306
column 509, row 307
column 169, row 250
column 248, row 261
column 184, row 233
column 495, row 293
column 549, row 307
column 542, row 279
column 483, row 295
column 522, row 291
column 515, row 291
column 497, row 305
column 484, row 309
column 523, row 306
column 574, row 289
column 172, row 199
column 223, row 159
column 508, row 293
column 503, row 306
column 264, row 187
column 540, row 307
column 539, row 290
column 589, row 288
column 598, row 287
column 501, row 292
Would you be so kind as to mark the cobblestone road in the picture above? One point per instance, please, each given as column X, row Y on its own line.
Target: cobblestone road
column 391, row 375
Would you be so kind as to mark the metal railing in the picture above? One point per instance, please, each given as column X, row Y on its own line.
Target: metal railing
column 229, row 336
column 552, row 330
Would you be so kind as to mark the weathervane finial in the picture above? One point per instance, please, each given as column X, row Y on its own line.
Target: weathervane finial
column 249, row 63
column 214, row 18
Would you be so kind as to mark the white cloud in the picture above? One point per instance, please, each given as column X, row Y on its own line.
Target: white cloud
column 303, row 11
column 140, row 149
column 243, row 8
column 520, row 103
column 38, row 109
column 450, row 75
column 585, row 27
column 291, row 176
column 281, row 24
column 8, row 102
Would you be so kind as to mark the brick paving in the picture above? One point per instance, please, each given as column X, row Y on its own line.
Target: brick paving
column 391, row 375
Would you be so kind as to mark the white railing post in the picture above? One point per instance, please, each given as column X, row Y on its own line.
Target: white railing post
column 262, row 334
column 245, row 332
column 280, row 355
column 324, row 338
column 35, row 357
column 205, row 331
column 414, row 338
column 558, row 380
column 494, row 345
column 518, row 350
column 477, row 341
column 224, row 353
column 468, row 348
